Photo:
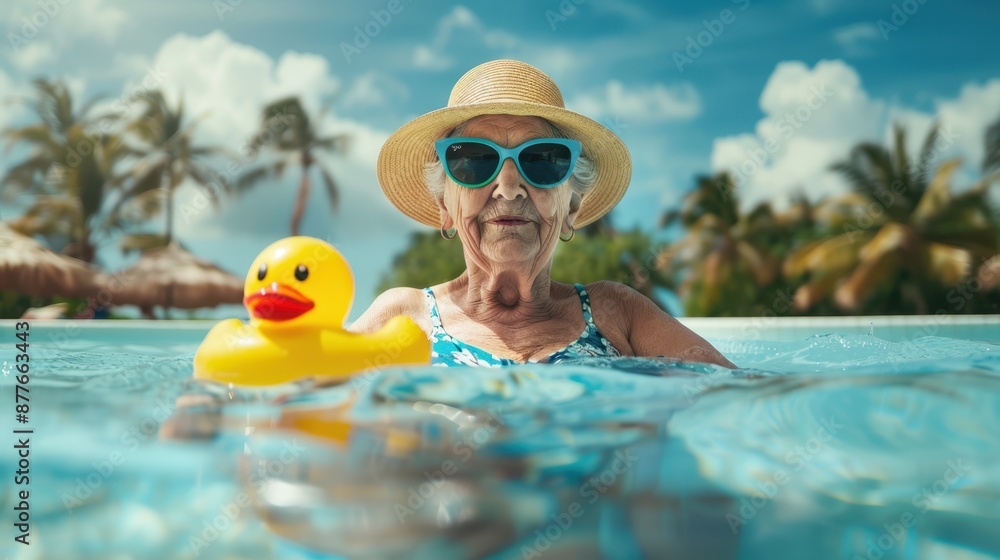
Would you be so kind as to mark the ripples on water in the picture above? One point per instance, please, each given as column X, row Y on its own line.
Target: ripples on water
column 832, row 447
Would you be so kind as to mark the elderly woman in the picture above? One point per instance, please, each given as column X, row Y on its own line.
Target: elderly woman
column 510, row 172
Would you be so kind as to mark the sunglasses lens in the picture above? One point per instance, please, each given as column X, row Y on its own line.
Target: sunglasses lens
column 471, row 163
column 545, row 164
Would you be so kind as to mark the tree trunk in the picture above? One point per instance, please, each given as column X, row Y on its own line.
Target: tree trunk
column 87, row 248
column 302, row 197
column 169, row 194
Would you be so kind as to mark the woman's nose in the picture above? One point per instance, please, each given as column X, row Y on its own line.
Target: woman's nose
column 509, row 183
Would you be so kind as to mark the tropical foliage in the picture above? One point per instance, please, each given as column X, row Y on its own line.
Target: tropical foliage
column 70, row 168
column 602, row 252
column 428, row 259
column 728, row 263
column 902, row 241
column 905, row 239
column 167, row 157
column 287, row 129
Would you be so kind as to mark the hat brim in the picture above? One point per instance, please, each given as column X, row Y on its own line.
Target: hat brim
column 400, row 168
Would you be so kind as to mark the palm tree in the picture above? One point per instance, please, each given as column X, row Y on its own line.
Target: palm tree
column 991, row 160
column 989, row 271
column 70, row 168
column 286, row 128
column 167, row 157
column 722, row 264
column 904, row 234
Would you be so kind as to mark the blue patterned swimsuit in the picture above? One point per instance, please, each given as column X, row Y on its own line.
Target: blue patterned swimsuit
column 447, row 350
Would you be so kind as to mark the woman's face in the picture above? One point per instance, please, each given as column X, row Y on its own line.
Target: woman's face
column 508, row 220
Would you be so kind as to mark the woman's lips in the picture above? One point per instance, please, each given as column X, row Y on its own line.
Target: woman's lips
column 509, row 221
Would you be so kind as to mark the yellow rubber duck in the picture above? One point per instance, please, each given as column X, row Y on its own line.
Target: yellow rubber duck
column 299, row 291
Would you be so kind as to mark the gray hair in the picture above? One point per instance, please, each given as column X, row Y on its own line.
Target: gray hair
column 581, row 181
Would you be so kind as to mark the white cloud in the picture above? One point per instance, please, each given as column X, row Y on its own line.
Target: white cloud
column 9, row 111
column 499, row 39
column 96, row 19
column 231, row 82
column 34, row 55
column 131, row 64
column 814, row 116
column 647, row 104
column 559, row 63
column 856, row 39
column 374, row 89
column 977, row 106
column 34, row 28
column 459, row 20
column 227, row 83
column 822, row 6
column 427, row 58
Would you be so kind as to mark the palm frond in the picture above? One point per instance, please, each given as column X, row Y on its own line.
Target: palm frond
column 147, row 178
column 214, row 183
column 331, row 187
column 937, row 196
column 254, row 176
column 899, row 164
column 25, row 176
column 921, row 175
column 991, row 159
column 669, row 217
column 336, row 143
column 39, row 135
column 859, row 180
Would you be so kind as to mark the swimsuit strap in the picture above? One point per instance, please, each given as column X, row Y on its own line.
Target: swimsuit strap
column 581, row 291
column 437, row 329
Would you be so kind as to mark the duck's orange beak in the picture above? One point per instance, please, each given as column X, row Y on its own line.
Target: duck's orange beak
column 277, row 302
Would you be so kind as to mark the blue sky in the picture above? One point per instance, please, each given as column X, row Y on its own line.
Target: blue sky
column 691, row 88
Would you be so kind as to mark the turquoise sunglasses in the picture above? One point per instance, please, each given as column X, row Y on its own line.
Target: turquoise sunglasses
column 476, row 162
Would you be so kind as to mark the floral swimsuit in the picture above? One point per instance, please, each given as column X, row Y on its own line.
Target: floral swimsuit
column 447, row 350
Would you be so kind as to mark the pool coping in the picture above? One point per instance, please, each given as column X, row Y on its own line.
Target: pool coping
column 709, row 323
column 896, row 328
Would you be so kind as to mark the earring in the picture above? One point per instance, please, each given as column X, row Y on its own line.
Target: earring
column 445, row 233
column 572, row 234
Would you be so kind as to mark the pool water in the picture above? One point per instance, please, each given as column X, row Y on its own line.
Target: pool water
column 835, row 445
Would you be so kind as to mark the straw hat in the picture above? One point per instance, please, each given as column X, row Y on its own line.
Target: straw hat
column 499, row 87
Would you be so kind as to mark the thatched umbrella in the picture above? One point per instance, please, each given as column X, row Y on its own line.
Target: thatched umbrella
column 28, row 267
column 172, row 277
column 989, row 274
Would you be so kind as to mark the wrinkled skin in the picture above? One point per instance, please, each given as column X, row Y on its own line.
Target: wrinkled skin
column 506, row 259
column 505, row 302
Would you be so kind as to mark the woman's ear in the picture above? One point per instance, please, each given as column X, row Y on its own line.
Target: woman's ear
column 446, row 221
column 574, row 210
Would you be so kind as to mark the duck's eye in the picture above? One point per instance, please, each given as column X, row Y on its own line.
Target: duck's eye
column 262, row 272
column 301, row 273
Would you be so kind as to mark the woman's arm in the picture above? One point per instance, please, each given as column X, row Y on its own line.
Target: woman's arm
column 652, row 332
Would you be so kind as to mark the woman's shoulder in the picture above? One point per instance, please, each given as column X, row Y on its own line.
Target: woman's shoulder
column 610, row 293
column 393, row 302
column 611, row 304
